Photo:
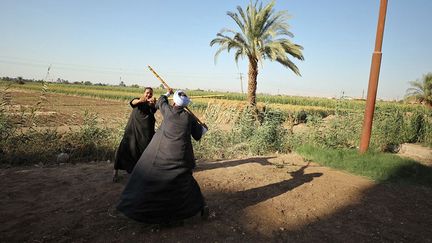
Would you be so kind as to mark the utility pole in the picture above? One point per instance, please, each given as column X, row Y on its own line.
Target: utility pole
column 241, row 82
column 373, row 80
column 47, row 73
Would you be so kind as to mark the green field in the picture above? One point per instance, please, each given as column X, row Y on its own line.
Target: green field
column 283, row 102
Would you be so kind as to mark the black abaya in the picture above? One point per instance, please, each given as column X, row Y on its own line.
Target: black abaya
column 161, row 188
column 138, row 133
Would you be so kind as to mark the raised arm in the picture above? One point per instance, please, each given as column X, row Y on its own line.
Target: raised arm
column 134, row 102
column 162, row 103
column 150, row 102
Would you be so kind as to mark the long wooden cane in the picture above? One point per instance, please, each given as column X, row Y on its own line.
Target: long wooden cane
column 168, row 88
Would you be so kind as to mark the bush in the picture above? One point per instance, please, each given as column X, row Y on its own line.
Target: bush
column 333, row 132
column 32, row 145
column 387, row 130
column 270, row 135
column 415, row 127
column 91, row 141
column 391, row 127
column 247, row 137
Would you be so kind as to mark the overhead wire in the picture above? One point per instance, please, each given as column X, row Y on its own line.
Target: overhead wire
column 104, row 70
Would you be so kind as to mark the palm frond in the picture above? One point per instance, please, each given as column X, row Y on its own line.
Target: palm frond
column 262, row 34
column 221, row 49
column 236, row 19
column 421, row 90
column 289, row 64
column 239, row 53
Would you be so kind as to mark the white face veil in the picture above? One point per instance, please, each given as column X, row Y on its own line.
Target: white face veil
column 180, row 98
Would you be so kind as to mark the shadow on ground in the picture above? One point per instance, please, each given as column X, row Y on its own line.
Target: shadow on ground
column 231, row 163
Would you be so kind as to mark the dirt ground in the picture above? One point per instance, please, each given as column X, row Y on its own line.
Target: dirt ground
column 277, row 199
column 64, row 111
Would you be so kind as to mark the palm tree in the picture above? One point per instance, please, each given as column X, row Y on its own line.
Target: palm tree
column 261, row 36
column 421, row 90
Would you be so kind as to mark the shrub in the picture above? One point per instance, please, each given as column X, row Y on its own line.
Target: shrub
column 269, row 136
column 247, row 136
column 91, row 141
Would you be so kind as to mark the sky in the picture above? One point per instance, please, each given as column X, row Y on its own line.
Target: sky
column 113, row 41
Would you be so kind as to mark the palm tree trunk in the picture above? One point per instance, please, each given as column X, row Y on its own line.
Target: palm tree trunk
column 252, row 81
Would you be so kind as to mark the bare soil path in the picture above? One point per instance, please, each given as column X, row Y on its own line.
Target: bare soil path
column 262, row 199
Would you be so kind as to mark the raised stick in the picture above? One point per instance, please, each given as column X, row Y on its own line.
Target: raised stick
column 168, row 87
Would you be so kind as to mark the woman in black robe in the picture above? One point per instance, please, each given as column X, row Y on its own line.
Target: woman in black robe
column 138, row 133
column 161, row 188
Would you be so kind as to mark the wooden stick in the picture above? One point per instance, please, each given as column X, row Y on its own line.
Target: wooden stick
column 160, row 79
column 168, row 88
column 196, row 118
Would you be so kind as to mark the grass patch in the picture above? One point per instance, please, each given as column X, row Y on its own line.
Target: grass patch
column 377, row 166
